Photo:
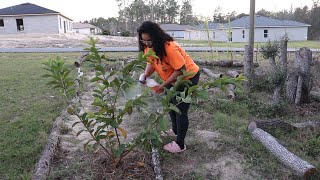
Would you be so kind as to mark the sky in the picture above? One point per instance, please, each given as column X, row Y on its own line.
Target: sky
column 80, row 10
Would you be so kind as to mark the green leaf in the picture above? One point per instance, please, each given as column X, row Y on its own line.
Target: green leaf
column 163, row 123
column 192, row 89
column 123, row 132
column 203, row 94
column 120, row 150
column 101, row 69
column 98, row 138
column 91, row 115
column 71, row 111
column 174, row 108
column 96, row 79
column 187, row 99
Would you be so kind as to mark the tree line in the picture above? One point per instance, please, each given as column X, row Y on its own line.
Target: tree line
column 132, row 13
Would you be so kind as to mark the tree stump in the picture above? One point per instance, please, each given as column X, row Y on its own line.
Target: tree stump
column 248, row 67
column 299, row 79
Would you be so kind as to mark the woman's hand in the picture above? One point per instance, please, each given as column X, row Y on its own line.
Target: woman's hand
column 158, row 89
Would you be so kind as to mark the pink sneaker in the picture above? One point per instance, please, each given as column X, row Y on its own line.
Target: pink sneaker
column 173, row 147
column 168, row 133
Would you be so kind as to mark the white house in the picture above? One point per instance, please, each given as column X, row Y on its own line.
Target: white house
column 84, row 28
column 31, row 18
column 265, row 29
column 179, row 31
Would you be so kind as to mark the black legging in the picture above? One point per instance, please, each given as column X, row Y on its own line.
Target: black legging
column 180, row 122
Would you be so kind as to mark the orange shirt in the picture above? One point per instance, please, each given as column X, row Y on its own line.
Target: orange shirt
column 176, row 57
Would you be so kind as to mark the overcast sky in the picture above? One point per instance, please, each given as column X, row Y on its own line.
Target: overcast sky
column 80, row 10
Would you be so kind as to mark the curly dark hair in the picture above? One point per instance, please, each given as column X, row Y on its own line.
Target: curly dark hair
column 158, row 37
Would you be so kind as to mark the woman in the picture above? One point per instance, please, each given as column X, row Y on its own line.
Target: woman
column 172, row 59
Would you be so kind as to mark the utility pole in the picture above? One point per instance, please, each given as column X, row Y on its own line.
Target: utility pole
column 251, row 30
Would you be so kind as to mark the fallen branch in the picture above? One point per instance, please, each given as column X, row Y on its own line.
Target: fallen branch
column 275, row 124
column 299, row 166
column 211, row 74
column 42, row 168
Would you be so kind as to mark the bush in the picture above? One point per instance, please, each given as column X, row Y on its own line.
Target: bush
column 125, row 34
column 106, row 32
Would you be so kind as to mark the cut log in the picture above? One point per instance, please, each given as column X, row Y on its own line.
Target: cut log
column 230, row 91
column 211, row 74
column 275, row 124
column 42, row 168
column 310, row 125
column 241, row 64
column 299, row 166
column 233, row 74
column 315, row 95
column 156, row 163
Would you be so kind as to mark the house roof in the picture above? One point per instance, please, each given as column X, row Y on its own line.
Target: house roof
column 261, row 21
column 82, row 26
column 27, row 9
column 175, row 27
column 211, row 25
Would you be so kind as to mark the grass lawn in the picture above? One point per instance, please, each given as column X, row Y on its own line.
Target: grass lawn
column 27, row 109
column 291, row 44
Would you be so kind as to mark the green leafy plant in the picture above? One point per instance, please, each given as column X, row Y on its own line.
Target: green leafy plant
column 105, row 125
column 59, row 75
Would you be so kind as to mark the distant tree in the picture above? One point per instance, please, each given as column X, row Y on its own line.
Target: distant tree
column 172, row 10
column 160, row 12
column 186, row 13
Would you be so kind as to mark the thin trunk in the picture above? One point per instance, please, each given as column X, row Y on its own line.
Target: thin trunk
column 248, row 67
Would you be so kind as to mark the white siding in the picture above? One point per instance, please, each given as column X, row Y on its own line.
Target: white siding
column 65, row 25
column 86, row 31
column 294, row 34
column 82, row 31
column 34, row 24
column 176, row 34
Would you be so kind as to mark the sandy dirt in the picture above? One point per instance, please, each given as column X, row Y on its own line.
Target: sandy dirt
column 62, row 41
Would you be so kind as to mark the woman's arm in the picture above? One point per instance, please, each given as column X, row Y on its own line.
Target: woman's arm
column 149, row 70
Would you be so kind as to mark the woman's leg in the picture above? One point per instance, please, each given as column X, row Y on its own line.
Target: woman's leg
column 182, row 119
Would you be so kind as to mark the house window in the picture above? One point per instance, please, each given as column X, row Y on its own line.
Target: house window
column 60, row 23
column 243, row 34
column 92, row 30
column 20, row 26
column 1, row 23
column 265, row 33
column 77, row 31
column 213, row 35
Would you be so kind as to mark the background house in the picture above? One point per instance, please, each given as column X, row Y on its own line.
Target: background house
column 31, row 18
column 179, row 31
column 265, row 29
column 84, row 28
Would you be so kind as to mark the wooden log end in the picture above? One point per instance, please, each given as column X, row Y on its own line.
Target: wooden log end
column 310, row 173
column 252, row 126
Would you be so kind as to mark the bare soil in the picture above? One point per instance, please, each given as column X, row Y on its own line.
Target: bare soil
column 63, row 41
